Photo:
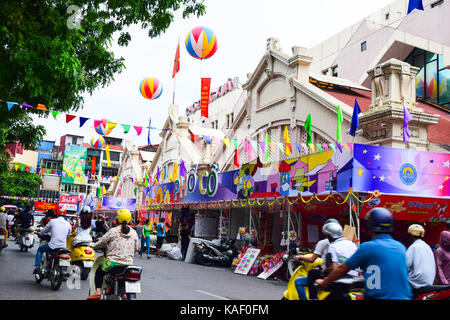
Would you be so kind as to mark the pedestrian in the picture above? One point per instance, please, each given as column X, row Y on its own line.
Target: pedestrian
column 25, row 221
column 146, row 230
column 185, row 237
column 382, row 259
column 442, row 258
column 138, row 229
column 160, row 235
column 420, row 260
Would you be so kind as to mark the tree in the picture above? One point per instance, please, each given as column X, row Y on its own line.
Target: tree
column 52, row 52
column 19, row 183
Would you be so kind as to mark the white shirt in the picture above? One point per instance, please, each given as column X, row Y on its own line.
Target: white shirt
column 60, row 230
column 321, row 250
column 3, row 220
column 340, row 250
column 83, row 235
column 421, row 264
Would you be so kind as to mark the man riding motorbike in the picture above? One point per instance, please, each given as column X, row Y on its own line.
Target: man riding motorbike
column 3, row 225
column 24, row 220
column 420, row 260
column 121, row 243
column 382, row 259
column 320, row 251
column 60, row 230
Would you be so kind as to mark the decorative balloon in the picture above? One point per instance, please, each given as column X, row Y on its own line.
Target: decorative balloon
column 97, row 142
column 201, row 43
column 102, row 127
column 150, row 88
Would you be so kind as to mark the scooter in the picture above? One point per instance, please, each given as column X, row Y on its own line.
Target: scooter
column 26, row 239
column 2, row 239
column 121, row 283
column 81, row 256
column 352, row 288
column 220, row 255
column 54, row 266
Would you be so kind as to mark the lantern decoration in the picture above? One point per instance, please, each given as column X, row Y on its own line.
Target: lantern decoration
column 150, row 88
column 97, row 142
column 201, row 43
column 102, row 127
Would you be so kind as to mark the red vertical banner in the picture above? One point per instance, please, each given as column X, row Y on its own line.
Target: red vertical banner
column 93, row 163
column 204, row 102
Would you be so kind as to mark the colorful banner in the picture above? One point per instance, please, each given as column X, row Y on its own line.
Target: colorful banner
column 119, row 203
column 411, row 208
column 400, row 171
column 44, row 206
column 204, row 101
column 74, row 164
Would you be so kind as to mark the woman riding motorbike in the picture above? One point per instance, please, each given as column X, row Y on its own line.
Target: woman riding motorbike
column 121, row 243
column 83, row 227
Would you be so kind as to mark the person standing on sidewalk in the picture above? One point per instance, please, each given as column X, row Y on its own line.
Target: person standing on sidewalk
column 160, row 235
column 146, row 230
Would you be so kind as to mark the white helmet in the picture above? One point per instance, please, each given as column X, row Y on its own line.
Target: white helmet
column 332, row 229
column 86, row 209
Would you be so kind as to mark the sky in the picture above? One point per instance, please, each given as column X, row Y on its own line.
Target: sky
column 242, row 28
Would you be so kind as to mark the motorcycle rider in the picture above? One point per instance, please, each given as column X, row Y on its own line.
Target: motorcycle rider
column 420, row 260
column 83, row 227
column 121, row 243
column 24, row 221
column 3, row 223
column 60, row 230
column 382, row 259
column 320, row 251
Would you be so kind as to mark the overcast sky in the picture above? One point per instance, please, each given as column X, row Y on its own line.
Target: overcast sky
column 242, row 28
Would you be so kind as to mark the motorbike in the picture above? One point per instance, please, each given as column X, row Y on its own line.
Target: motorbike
column 2, row 239
column 81, row 256
column 26, row 239
column 121, row 283
column 54, row 265
column 351, row 287
column 434, row 292
column 209, row 254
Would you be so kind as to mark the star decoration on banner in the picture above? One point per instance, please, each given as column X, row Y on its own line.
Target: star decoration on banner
column 360, row 172
column 382, row 178
column 441, row 187
column 447, row 177
column 377, row 157
column 447, row 164
column 365, row 151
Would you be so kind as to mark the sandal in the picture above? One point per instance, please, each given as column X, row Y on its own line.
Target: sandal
column 94, row 297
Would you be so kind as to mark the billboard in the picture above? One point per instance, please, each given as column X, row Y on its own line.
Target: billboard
column 119, row 203
column 74, row 164
column 68, row 202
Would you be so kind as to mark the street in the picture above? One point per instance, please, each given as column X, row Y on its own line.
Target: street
column 162, row 279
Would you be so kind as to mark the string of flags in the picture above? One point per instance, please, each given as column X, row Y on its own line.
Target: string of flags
column 48, row 200
column 111, row 125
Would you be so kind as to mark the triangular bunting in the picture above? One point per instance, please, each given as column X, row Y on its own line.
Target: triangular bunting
column 69, row 117
column 138, row 130
column 41, row 107
column 126, row 128
column 83, row 121
column 55, row 113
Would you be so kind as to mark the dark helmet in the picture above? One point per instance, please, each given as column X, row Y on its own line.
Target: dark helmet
column 380, row 220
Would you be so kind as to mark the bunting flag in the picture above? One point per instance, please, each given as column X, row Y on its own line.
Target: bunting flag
column 55, row 113
column 414, row 4
column 325, row 146
column 93, row 164
column 308, row 129
column 332, row 146
column 311, row 145
column 235, row 143
column 305, row 148
column 339, row 147
column 83, row 121
column 111, row 126
column 236, row 158
column 346, row 147
column 146, row 179
column 266, row 147
column 10, row 105
column 298, row 147
column 175, row 171
column 355, row 119
column 41, row 107
column 319, row 146
column 138, row 130
column 286, row 141
column 69, row 117
column 407, row 117
column 207, row 139
column 280, row 146
column 126, row 128
column 338, row 126
column 27, row 105
column 135, row 191
column 226, row 142
column 103, row 190
column 149, row 126
column 158, row 173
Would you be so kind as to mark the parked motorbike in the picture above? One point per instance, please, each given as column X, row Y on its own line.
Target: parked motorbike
column 435, row 292
column 54, row 265
column 26, row 239
column 351, row 287
column 209, row 254
column 121, row 283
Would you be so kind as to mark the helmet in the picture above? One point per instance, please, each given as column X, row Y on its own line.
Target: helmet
column 331, row 220
column 2, row 208
column 123, row 215
column 86, row 209
column 332, row 229
column 60, row 211
column 416, row 230
column 380, row 220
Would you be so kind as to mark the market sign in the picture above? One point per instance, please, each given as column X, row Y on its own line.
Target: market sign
column 43, row 206
column 119, row 203
column 68, row 202
column 410, row 208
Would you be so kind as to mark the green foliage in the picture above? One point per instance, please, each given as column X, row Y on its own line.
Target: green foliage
column 44, row 61
column 18, row 183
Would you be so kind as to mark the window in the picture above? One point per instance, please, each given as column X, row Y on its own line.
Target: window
column 334, row 71
column 363, row 46
column 437, row 3
column 110, row 171
column 114, row 156
column 230, row 120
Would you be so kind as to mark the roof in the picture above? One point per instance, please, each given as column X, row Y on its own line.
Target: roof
column 337, row 81
column 437, row 133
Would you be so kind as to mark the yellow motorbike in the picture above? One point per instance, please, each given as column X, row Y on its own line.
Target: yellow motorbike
column 352, row 287
column 81, row 256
